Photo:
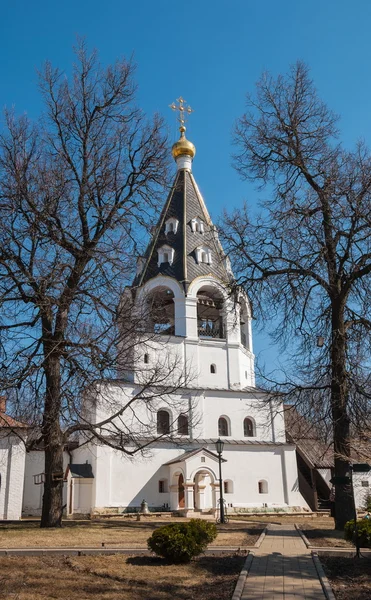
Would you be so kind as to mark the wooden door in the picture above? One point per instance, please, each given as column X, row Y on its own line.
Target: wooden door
column 181, row 491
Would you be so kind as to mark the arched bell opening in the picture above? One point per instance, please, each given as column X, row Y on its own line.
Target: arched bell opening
column 210, row 313
column 161, row 311
column 245, row 325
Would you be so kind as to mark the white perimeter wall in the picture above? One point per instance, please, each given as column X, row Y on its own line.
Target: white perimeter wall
column 33, row 494
column 12, row 464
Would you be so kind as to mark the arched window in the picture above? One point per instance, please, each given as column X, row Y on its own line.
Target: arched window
column 197, row 225
column 146, row 359
column 223, row 428
column 203, row 255
column 212, row 368
column 165, row 255
column 171, row 225
column 248, row 427
column 163, row 422
column 263, row 486
column 183, row 425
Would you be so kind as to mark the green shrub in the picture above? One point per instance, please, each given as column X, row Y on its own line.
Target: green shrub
column 368, row 502
column 364, row 532
column 180, row 542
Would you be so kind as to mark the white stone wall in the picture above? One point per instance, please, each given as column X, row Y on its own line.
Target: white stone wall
column 121, row 483
column 12, row 464
column 33, row 494
column 362, row 488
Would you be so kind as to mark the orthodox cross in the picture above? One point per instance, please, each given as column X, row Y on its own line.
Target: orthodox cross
column 183, row 108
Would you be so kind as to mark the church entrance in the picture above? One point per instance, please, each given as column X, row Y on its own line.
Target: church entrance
column 203, row 491
column 181, row 491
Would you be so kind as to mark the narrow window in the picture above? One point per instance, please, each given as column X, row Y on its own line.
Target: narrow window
column 183, row 425
column 212, row 369
column 263, row 487
column 223, row 426
column 146, row 359
column 171, row 227
column 228, row 486
column 248, row 428
column 204, row 257
column 166, row 257
column 162, row 486
column 163, row 422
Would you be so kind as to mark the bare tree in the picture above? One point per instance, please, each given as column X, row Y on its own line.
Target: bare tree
column 306, row 258
column 77, row 190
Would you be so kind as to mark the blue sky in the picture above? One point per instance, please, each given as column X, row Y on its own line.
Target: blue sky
column 211, row 53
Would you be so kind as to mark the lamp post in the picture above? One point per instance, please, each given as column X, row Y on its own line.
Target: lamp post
column 219, row 445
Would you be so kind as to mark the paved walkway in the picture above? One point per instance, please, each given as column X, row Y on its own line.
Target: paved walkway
column 282, row 569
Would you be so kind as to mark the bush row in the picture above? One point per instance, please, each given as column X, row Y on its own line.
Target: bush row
column 364, row 532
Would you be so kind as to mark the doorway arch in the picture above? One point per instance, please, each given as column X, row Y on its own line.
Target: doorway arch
column 204, row 490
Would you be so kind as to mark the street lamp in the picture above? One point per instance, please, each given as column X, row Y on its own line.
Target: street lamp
column 219, row 445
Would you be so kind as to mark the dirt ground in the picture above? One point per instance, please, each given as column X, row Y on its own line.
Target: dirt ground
column 324, row 535
column 118, row 577
column 349, row 577
column 124, row 533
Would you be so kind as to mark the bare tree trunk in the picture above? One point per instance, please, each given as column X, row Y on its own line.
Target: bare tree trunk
column 341, row 422
column 52, row 505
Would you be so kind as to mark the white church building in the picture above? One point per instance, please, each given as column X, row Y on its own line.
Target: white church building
column 192, row 329
column 194, row 340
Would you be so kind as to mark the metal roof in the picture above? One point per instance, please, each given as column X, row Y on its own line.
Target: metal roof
column 184, row 203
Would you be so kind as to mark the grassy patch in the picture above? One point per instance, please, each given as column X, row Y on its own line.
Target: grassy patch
column 113, row 577
column 124, row 533
column 349, row 577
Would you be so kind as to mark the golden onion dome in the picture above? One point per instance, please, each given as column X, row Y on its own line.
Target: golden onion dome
column 183, row 147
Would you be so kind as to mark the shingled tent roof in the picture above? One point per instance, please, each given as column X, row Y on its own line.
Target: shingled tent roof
column 184, row 203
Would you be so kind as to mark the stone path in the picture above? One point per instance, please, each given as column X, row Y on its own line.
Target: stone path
column 282, row 569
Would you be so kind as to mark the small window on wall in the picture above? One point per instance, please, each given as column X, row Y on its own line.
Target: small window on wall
column 163, row 422
column 171, row 226
column 203, row 255
column 365, row 483
column 162, row 486
column 183, row 425
column 165, row 255
column 146, row 359
column 213, row 369
column 197, row 225
column 228, row 486
column 263, row 487
column 223, row 428
column 248, row 428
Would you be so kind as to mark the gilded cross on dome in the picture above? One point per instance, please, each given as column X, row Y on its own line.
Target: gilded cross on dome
column 184, row 110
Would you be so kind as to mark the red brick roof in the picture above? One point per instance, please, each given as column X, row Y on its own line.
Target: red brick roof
column 6, row 421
